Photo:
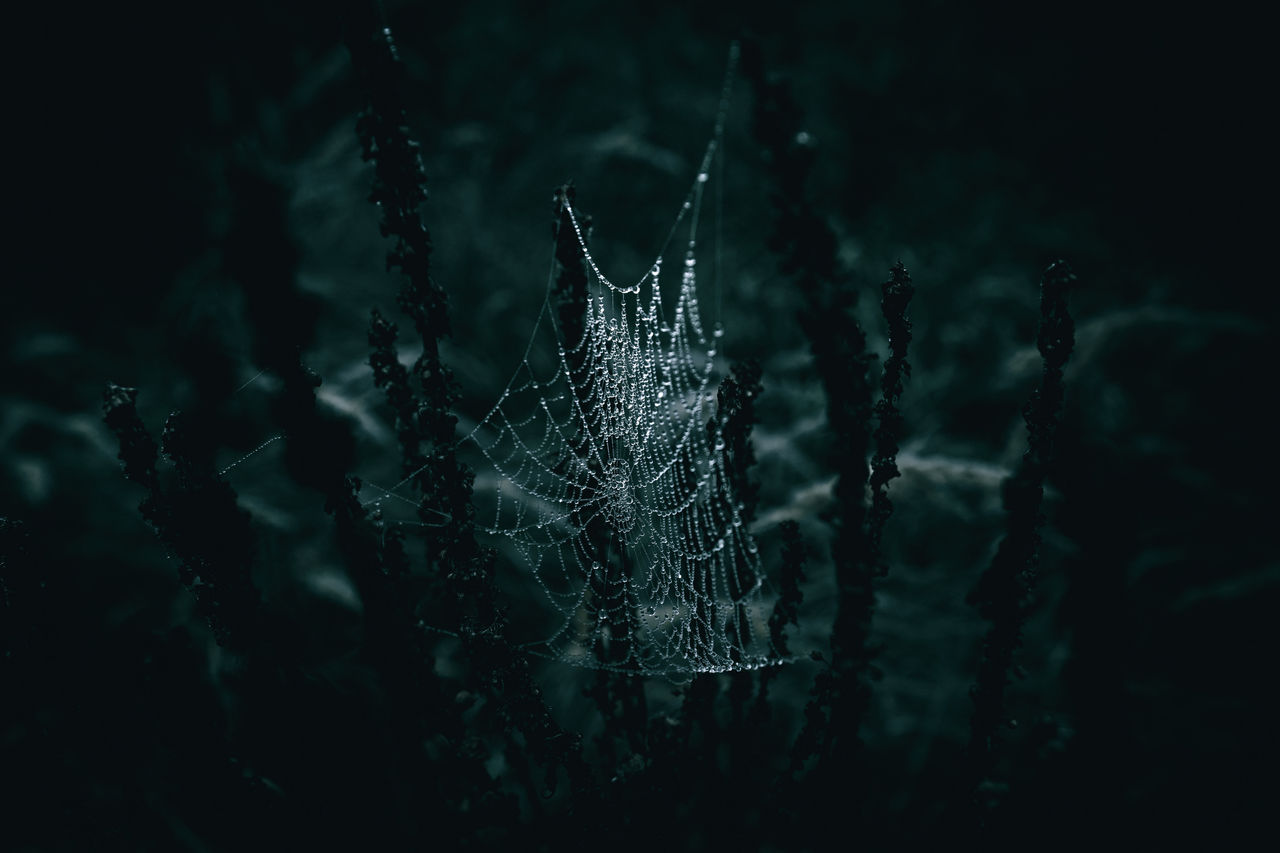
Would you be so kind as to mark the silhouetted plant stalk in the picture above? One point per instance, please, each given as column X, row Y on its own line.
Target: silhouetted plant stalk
column 571, row 277
column 786, row 611
column 807, row 248
column 736, row 415
column 896, row 298
column 464, row 569
column 1002, row 594
column 196, row 516
column 736, row 411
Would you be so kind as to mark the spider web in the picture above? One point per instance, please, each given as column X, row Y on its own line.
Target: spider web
column 612, row 481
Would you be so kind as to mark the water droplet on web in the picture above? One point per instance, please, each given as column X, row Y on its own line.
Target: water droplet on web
column 719, row 544
column 652, row 610
column 702, row 177
column 719, row 331
column 720, row 444
column 595, row 567
column 686, row 205
column 751, row 546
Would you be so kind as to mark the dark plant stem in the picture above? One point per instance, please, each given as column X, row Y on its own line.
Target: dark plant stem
column 896, row 297
column 786, row 610
column 571, row 278
column 806, row 246
column 1002, row 594
column 736, row 411
column 197, row 518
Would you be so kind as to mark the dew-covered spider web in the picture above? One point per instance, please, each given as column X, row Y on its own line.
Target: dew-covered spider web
column 611, row 475
column 608, row 471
